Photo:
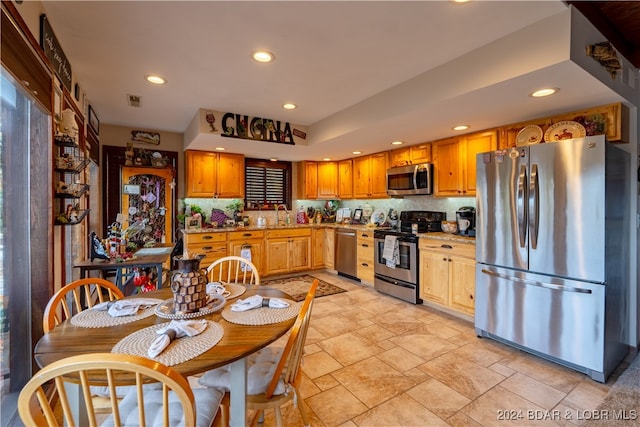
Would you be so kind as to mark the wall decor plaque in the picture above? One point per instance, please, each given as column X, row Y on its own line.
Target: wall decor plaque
column 54, row 52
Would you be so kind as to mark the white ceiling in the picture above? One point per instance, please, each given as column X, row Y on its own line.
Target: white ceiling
column 362, row 73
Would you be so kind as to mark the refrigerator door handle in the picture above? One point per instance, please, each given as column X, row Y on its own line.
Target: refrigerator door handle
column 537, row 283
column 534, row 206
column 521, row 207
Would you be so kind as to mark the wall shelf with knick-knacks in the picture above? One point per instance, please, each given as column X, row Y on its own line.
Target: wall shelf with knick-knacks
column 70, row 187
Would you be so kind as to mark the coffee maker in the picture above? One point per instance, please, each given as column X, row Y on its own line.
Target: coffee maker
column 466, row 221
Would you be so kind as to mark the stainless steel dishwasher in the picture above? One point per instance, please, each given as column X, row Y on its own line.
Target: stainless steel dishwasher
column 346, row 245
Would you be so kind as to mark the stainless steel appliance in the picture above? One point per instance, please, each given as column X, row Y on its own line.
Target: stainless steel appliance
column 410, row 180
column 345, row 252
column 552, row 251
column 466, row 221
column 401, row 281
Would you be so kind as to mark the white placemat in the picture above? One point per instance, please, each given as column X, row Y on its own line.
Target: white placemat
column 180, row 350
column 262, row 315
column 235, row 289
column 92, row 318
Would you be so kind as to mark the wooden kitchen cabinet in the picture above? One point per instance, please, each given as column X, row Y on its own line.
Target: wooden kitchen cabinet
column 329, row 248
column 213, row 245
column 455, row 162
column 370, row 176
column 317, row 252
column 365, row 256
column 287, row 250
column 327, row 180
column 412, row 155
column 307, row 180
column 211, row 174
column 253, row 240
column 345, row 179
column 447, row 274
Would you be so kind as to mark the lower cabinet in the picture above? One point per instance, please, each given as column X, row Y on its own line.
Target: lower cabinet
column 252, row 240
column 287, row 251
column 329, row 249
column 212, row 245
column 318, row 248
column 447, row 274
column 364, row 256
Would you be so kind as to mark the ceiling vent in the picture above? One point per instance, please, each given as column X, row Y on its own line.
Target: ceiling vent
column 134, row 101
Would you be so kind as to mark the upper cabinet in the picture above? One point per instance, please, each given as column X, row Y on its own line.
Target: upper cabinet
column 211, row 174
column 415, row 154
column 455, row 162
column 370, row 176
column 345, row 179
column 307, row 180
column 327, row 180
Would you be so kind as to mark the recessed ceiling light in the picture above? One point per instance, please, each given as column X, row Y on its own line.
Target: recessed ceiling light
column 156, row 80
column 397, row 143
column 326, row 159
column 289, row 106
column 273, row 159
column 263, row 56
column 220, row 148
column 461, row 127
column 544, row 92
column 356, row 152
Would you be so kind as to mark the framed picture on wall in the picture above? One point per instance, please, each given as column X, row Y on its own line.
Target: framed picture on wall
column 94, row 123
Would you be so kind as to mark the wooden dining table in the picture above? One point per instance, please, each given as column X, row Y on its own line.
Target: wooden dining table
column 238, row 342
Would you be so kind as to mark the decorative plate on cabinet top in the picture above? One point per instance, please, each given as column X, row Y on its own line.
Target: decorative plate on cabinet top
column 529, row 135
column 564, row 130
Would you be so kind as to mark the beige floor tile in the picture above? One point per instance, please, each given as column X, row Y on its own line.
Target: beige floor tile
column 318, row 364
column 398, row 323
column 461, row 420
column 400, row 359
column 335, row 406
column 500, row 407
column 482, row 352
column 311, row 348
column 399, row 411
column 533, row 390
column 372, row 381
column 325, row 382
column 502, row 370
column 465, row 377
column 438, row 398
column 552, row 374
column 350, row 348
column 313, row 335
column 586, row 396
column 333, row 326
column 308, row 387
column 424, row 345
column 375, row 333
column 441, row 329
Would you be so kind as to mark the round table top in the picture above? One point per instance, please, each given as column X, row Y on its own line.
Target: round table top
column 237, row 342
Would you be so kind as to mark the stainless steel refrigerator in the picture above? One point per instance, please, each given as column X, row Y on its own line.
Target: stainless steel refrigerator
column 552, row 251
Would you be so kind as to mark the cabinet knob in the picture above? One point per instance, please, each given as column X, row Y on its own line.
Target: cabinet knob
column 470, row 296
column 207, row 248
column 364, row 245
column 364, row 264
column 207, row 237
column 246, row 235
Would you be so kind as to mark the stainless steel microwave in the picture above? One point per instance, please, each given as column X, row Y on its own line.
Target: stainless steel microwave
column 410, row 180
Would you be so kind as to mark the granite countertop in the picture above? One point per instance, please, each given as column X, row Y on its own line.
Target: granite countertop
column 448, row 237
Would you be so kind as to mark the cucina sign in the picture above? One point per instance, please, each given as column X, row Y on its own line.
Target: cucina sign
column 234, row 125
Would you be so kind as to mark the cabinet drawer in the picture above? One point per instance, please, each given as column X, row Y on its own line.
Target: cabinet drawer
column 365, row 235
column 243, row 235
column 466, row 250
column 275, row 234
column 194, row 238
column 364, row 270
column 365, row 250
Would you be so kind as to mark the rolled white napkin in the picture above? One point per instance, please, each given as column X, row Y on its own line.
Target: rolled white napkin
column 175, row 329
column 256, row 301
column 125, row 307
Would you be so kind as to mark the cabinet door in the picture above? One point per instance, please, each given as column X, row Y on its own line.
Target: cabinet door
column 475, row 144
column 327, row 180
column 230, row 176
column 307, row 180
column 361, row 177
column 365, row 257
column 329, row 249
column 400, row 157
column 421, row 153
column 434, row 277
column 345, row 179
column 300, row 253
column 462, row 283
column 277, row 256
column 318, row 248
column 446, row 157
column 256, row 251
column 378, row 178
column 200, row 173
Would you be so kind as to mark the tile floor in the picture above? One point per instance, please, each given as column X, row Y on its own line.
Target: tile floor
column 373, row 360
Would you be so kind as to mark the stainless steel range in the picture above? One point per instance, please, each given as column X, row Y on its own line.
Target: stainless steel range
column 398, row 273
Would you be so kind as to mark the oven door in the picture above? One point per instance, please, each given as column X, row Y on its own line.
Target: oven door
column 406, row 270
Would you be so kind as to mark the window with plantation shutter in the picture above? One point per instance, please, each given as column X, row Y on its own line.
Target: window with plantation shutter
column 267, row 184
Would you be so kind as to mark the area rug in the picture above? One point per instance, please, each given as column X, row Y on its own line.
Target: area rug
column 621, row 407
column 298, row 286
